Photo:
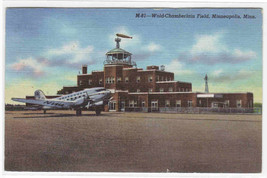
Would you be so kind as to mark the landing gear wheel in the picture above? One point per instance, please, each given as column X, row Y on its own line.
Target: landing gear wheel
column 97, row 111
column 78, row 112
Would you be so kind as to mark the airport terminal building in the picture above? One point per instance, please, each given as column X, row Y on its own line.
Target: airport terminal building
column 151, row 89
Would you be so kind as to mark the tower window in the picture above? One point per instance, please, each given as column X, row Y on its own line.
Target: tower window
column 138, row 79
column 119, row 79
column 150, row 90
column 126, row 79
column 90, row 82
column 138, row 90
column 170, row 89
column 150, row 79
column 100, row 81
column 161, row 90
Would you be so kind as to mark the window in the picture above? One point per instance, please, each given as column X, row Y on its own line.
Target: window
column 162, row 78
column 226, row 103
column 157, row 78
column 166, row 79
column 182, row 89
column 100, row 81
column 250, row 104
column 143, row 104
column 199, row 102
column 80, row 82
column 131, row 103
column 189, row 103
column 170, row 89
column 238, row 103
column 154, row 105
column 138, row 79
column 108, row 80
column 170, row 79
column 161, row 90
column 90, row 82
column 112, row 105
column 118, row 79
column 178, row 103
column 167, row 103
column 214, row 105
column 135, row 103
column 150, row 79
column 126, row 79
column 138, row 90
column 150, row 90
column 113, row 79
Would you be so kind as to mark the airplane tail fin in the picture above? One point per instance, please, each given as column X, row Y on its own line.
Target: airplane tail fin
column 39, row 95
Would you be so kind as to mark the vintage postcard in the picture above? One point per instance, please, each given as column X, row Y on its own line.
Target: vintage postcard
column 149, row 90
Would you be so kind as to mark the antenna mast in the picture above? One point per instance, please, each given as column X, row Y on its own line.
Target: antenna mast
column 206, row 84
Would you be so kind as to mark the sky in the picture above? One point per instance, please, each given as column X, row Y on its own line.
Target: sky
column 46, row 47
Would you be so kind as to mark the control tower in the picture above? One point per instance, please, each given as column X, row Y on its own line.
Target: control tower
column 118, row 56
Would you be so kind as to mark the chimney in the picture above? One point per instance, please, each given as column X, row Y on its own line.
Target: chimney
column 84, row 69
column 162, row 68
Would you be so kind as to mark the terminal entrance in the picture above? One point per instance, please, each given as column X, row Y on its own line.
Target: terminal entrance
column 122, row 106
column 154, row 105
column 112, row 106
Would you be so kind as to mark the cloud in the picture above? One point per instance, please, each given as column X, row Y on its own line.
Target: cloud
column 141, row 50
column 152, row 47
column 208, row 43
column 30, row 66
column 177, row 68
column 217, row 72
column 210, row 50
column 220, row 76
column 71, row 53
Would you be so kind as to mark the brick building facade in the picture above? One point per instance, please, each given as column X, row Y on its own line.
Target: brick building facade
column 150, row 89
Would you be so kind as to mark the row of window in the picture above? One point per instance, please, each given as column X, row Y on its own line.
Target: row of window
column 154, row 104
column 170, row 89
column 126, row 80
column 178, row 103
column 73, row 97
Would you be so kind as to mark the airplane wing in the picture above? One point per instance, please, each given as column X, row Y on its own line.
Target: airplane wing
column 50, row 103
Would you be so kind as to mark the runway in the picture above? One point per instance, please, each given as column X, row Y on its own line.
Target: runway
column 132, row 142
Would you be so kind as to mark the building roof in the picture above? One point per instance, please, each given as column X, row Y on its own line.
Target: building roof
column 118, row 51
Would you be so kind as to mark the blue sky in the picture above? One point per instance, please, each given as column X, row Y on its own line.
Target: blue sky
column 45, row 47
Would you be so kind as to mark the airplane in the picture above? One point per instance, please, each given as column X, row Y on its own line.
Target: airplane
column 92, row 98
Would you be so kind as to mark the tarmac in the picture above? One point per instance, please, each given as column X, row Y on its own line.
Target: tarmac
column 132, row 142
